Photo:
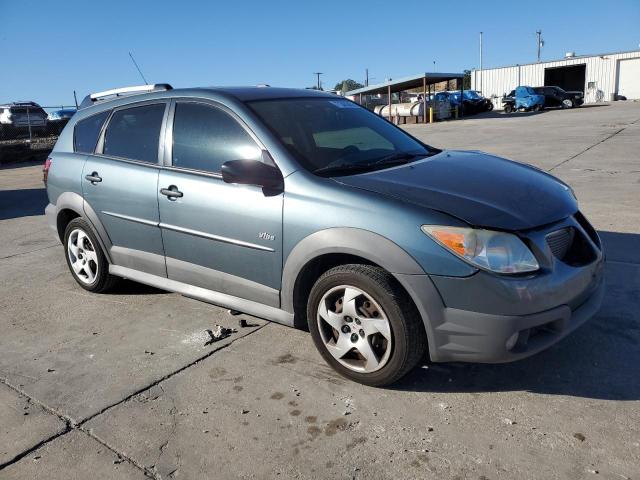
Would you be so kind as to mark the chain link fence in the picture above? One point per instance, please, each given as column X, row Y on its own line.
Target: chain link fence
column 28, row 131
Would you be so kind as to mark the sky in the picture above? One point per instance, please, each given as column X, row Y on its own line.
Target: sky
column 50, row 48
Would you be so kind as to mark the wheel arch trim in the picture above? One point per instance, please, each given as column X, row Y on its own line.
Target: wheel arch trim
column 74, row 202
column 372, row 247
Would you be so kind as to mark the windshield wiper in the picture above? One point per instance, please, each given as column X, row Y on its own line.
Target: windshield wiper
column 343, row 167
column 397, row 158
column 394, row 159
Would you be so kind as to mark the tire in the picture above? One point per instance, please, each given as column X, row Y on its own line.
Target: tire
column 377, row 318
column 86, row 261
column 490, row 106
column 567, row 103
column 537, row 108
column 508, row 108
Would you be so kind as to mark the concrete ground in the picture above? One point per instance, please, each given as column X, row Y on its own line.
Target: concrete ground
column 121, row 385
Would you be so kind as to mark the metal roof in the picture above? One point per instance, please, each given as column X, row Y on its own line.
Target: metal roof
column 563, row 59
column 405, row 83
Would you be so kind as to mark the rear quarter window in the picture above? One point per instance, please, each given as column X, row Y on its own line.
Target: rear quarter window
column 86, row 132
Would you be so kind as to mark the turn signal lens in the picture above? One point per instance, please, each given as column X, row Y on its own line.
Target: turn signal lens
column 453, row 241
column 486, row 249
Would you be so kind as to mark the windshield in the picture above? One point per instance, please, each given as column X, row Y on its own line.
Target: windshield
column 337, row 137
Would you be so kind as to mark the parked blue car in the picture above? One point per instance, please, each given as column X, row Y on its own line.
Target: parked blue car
column 523, row 98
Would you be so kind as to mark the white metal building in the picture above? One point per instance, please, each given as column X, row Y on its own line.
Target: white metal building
column 600, row 77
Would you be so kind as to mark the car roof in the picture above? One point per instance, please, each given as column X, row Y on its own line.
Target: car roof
column 20, row 104
column 240, row 94
column 245, row 94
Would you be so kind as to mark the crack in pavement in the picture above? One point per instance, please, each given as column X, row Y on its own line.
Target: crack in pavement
column 71, row 425
column 608, row 137
column 31, row 251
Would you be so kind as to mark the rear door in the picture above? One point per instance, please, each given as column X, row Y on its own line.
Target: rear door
column 120, row 183
column 219, row 236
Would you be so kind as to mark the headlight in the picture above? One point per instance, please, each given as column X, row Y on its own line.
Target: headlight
column 486, row 249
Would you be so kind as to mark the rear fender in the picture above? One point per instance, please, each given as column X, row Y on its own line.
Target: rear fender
column 73, row 201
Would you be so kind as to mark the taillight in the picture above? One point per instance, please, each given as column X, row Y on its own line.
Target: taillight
column 45, row 170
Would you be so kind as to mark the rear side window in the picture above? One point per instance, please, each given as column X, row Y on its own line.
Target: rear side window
column 134, row 133
column 86, row 132
column 204, row 137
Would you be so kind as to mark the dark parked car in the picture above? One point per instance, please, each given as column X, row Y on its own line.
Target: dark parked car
column 19, row 117
column 473, row 102
column 557, row 97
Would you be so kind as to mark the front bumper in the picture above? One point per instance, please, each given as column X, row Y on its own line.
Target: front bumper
column 491, row 318
column 485, row 338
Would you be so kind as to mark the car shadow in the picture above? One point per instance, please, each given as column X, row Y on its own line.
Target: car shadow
column 499, row 114
column 129, row 287
column 600, row 360
column 26, row 202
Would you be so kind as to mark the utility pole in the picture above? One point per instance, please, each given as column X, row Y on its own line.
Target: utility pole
column 480, row 62
column 540, row 42
column 317, row 74
column 366, row 77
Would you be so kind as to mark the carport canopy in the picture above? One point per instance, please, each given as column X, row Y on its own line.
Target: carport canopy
column 406, row 83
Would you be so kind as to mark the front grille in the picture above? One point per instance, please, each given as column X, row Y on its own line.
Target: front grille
column 560, row 242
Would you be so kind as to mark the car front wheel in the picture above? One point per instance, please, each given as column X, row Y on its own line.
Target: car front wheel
column 567, row 103
column 365, row 325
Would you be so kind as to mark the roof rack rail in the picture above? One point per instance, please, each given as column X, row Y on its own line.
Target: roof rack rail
column 121, row 92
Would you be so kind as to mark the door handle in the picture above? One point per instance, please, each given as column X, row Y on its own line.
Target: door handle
column 94, row 178
column 172, row 192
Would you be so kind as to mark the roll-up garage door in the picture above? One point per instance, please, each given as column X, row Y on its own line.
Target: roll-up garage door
column 629, row 78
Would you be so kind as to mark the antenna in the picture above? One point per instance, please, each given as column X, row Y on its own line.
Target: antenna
column 75, row 99
column 139, row 71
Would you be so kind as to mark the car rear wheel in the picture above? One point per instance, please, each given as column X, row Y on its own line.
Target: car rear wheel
column 567, row 103
column 85, row 258
column 508, row 108
column 365, row 325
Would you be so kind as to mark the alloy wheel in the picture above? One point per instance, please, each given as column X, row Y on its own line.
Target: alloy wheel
column 82, row 256
column 354, row 329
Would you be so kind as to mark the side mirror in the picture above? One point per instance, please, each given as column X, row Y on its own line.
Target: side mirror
column 252, row 172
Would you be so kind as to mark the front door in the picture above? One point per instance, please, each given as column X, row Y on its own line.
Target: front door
column 120, row 183
column 219, row 236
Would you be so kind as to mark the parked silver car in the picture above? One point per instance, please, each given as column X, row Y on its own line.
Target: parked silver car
column 306, row 209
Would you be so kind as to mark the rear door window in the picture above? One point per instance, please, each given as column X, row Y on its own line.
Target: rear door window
column 86, row 132
column 204, row 137
column 133, row 133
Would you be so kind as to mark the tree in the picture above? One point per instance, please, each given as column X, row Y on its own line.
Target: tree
column 466, row 80
column 348, row 85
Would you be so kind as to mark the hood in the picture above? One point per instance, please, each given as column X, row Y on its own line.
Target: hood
column 481, row 189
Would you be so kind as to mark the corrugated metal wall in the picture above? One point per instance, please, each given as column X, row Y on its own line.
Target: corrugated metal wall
column 601, row 69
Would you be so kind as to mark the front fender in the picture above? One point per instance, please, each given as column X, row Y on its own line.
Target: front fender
column 374, row 248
